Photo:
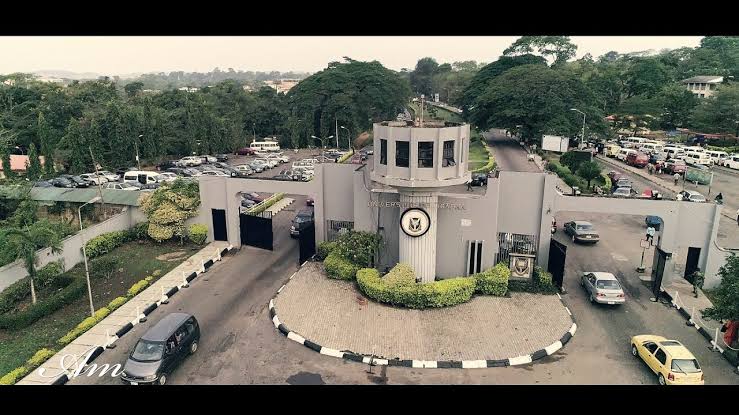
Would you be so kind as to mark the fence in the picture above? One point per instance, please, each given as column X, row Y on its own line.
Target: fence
column 71, row 254
column 514, row 243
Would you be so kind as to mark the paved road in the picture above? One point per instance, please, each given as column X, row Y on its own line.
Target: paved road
column 509, row 155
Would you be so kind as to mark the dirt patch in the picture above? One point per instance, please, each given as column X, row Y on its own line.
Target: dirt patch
column 172, row 256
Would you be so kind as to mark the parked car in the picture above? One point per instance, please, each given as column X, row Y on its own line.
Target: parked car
column 479, row 179
column 623, row 192
column 651, row 194
column 62, row 182
column 602, row 288
column 190, row 161
column 637, row 159
column 43, row 183
column 256, row 167
column 245, row 151
column 581, row 231
column 270, row 163
column 302, row 220
column 215, row 173
column 93, row 178
column 150, row 187
column 657, row 159
column 191, row 172
column 166, row 177
column 653, row 222
column 281, row 158
column 121, row 186
column 208, row 158
column 161, row 349
column 673, row 166
column 247, row 203
column 253, row 196
column 692, row 196
column 244, row 170
column 165, row 165
column 668, row 359
column 221, row 157
column 283, row 176
column 111, row 177
column 614, row 175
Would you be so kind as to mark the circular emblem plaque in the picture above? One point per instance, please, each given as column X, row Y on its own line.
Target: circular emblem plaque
column 415, row 222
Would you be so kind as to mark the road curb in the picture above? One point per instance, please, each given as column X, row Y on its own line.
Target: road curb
column 421, row 364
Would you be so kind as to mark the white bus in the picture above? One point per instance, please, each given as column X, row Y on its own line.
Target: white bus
column 732, row 162
column 634, row 142
column 717, row 157
column 264, row 146
column 651, row 148
column 697, row 158
column 674, row 152
column 140, row 176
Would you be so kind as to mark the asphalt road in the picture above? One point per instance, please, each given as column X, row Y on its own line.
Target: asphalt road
column 509, row 155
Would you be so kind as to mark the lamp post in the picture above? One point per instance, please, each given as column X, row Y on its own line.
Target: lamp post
column 582, row 139
column 322, row 140
column 84, row 253
column 348, row 137
column 136, row 144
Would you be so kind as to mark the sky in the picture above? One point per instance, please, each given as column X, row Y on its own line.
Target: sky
column 129, row 54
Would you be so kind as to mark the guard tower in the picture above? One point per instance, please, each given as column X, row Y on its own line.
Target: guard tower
column 420, row 161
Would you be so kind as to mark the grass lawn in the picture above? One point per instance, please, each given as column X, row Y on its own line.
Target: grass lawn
column 478, row 156
column 138, row 260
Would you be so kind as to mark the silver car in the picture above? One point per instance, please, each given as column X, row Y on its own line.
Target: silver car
column 602, row 288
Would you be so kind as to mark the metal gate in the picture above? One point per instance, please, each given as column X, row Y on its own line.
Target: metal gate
column 557, row 255
column 256, row 229
column 514, row 243
column 307, row 242
column 334, row 228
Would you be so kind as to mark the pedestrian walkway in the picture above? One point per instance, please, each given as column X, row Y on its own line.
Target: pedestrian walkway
column 104, row 333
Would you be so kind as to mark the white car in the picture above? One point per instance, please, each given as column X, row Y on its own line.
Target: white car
column 208, row 159
column 121, row 186
column 111, row 177
column 190, row 161
column 691, row 196
column 244, row 169
column 279, row 157
column 166, row 177
column 268, row 162
column 215, row 173
column 93, row 178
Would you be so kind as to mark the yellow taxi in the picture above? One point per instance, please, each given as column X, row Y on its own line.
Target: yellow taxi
column 669, row 359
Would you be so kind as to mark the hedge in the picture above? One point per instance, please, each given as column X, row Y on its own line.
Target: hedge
column 138, row 287
column 116, row 303
column 358, row 247
column 105, row 266
column 39, row 358
column 399, row 287
column 490, row 165
column 493, row 281
column 35, row 361
column 266, row 204
column 14, row 375
column 197, row 233
column 86, row 324
column 345, row 157
column 324, row 248
column 566, row 175
column 16, row 292
column 339, row 267
column 73, row 290
column 102, row 244
column 540, row 283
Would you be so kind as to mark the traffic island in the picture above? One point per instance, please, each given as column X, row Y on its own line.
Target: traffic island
column 333, row 318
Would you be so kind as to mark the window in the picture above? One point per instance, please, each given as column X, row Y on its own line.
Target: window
column 703, row 87
column 474, row 257
column 402, row 153
column 383, row 151
column 651, row 347
column 448, row 154
column 661, row 356
column 701, row 95
column 685, row 366
column 426, row 154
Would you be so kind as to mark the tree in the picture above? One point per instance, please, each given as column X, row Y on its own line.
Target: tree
column 719, row 113
column 557, row 48
column 134, row 88
column 23, row 242
column 570, row 160
column 33, row 166
column 43, row 131
column 168, row 207
column 589, row 170
column 677, row 103
column 421, row 77
column 726, row 296
column 646, row 76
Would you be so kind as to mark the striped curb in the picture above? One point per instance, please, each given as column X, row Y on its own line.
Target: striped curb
column 420, row 364
column 64, row 378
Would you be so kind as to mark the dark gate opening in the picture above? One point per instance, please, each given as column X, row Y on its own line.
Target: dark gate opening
column 256, row 229
column 658, row 270
column 219, row 224
column 557, row 255
column 691, row 263
column 307, row 242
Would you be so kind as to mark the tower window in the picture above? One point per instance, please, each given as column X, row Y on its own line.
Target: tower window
column 402, row 153
column 383, row 151
column 448, row 154
column 426, row 154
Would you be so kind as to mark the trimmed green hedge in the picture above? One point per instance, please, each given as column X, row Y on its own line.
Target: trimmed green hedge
column 102, row 244
column 493, row 281
column 72, row 291
column 399, row 287
column 138, row 287
column 566, row 175
column 116, row 303
column 339, row 267
column 359, row 247
column 541, row 283
column 45, row 277
column 266, row 204
column 14, row 375
column 324, row 248
column 86, row 324
column 198, row 233
column 35, row 361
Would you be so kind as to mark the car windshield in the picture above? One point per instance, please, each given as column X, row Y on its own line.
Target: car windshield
column 584, row 227
column 685, row 366
column 607, row 284
column 147, row 351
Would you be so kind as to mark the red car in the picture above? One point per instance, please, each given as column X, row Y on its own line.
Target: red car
column 637, row 159
column 245, row 151
column 673, row 166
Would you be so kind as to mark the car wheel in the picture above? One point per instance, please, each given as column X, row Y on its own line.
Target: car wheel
column 634, row 352
column 194, row 347
column 162, row 379
column 661, row 380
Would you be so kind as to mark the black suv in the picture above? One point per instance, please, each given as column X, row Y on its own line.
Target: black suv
column 302, row 220
column 161, row 349
column 479, row 179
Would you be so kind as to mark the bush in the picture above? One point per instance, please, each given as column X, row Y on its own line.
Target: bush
column 358, row 246
column 86, row 324
column 324, row 248
column 493, row 281
column 565, row 174
column 102, row 244
column 73, row 290
column 198, row 233
column 116, row 303
column 39, row 358
column 399, row 287
column 45, row 277
column 139, row 231
column 138, row 287
column 339, row 267
column 540, row 283
column 104, row 267
column 266, row 204
column 14, row 376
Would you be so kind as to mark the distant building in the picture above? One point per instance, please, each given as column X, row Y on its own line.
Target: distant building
column 248, row 88
column 188, row 89
column 150, row 91
column 9, row 82
column 282, row 85
column 18, row 164
column 703, row 86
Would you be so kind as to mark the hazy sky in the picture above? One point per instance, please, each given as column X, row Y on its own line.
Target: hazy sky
column 123, row 55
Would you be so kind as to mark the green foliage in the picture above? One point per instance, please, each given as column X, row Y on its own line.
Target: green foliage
column 358, row 246
column 39, row 358
column 339, row 267
column 140, row 231
column 33, row 167
column 559, row 48
column 116, row 303
column 726, row 296
column 105, row 266
column 266, row 204
column 138, row 287
column 14, row 376
column 493, row 281
column 102, row 244
column 198, row 233
column 85, row 325
column 719, row 113
column 169, row 206
column 48, row 276
column 540, row 283
column 565, row 174
column 324, row 248
column 20, row 320
column 589, row 170
column 399, row 288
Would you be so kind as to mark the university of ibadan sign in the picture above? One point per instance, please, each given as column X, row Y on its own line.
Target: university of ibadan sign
column 453, row 206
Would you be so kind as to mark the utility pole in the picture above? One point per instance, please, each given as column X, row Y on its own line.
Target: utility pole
column 337, row 132
column 136, row 144
column 422, row 102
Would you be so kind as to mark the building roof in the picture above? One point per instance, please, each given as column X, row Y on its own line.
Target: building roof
column 18, row 162
column 704, row 80
column 59, row 194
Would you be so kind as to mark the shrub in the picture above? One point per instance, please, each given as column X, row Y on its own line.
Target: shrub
column 104, row 267
column 540, row 283
column 73, row 290
column 339, row 267
column 138, row 287
column 47, row 275
column 324, row 248
column 139, row 231
column 493, row 281
column 85, row 325
column 14, row 376
column 267, row 203
column 157, row 273
column 198, row 233
column 39, row 358
column 358, row 246
column 102, row 244
column 399, row 287
column 116, row 303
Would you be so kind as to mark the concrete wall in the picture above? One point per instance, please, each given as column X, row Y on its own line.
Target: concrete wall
column 72, row 247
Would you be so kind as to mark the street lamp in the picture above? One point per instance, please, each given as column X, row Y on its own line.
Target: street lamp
column 136, row 143
column 583, row 126
column 348, row 136
column 322, row 140
column 84, row 253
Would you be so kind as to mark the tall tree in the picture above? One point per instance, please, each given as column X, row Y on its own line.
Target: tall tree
column 589, row 170
column 726, row 296
column 33, row 166
column 677, row 104
column 134, row 88
column 719, row 113
column 47, row 149
column 557, row 48
column 421, row 77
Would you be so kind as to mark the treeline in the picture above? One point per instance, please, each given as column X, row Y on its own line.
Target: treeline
column 178, row 79
column 100, row 119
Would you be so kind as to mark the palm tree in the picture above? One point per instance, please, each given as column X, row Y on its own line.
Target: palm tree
column 25, row 243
